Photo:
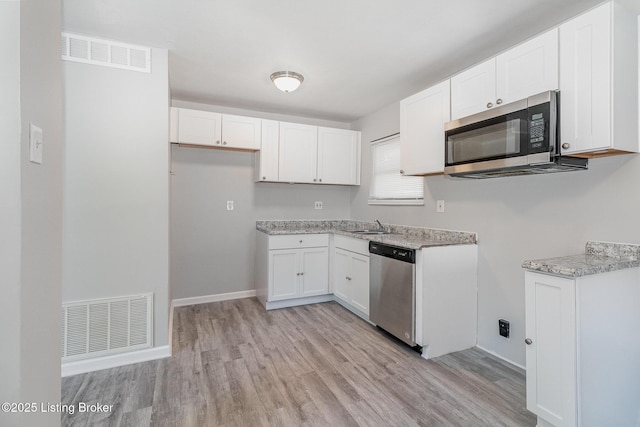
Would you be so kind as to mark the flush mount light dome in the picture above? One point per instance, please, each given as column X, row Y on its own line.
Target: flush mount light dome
column 287, row 81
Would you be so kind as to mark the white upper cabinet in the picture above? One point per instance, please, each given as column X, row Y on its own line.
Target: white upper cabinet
column 298, row 153
column 599, row 82
column 285, row 152
column 473, row 90
column 338, row 156
column 241, row 132
column 318, row 155
column 266, row 167
column 198, row 127
column 214, row 129
column 527, row 69
column 422, row 119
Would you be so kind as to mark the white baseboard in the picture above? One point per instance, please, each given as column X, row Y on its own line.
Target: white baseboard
column 180, row 302
column 493, row 353
column 115, row 360
column 286, row 303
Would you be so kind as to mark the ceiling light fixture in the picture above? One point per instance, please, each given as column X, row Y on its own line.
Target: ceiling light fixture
column 287, row 81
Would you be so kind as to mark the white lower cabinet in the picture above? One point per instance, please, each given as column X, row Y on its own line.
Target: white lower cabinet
column 582, row 349
column 291, row 267
column 351, row 279
column 446, row 299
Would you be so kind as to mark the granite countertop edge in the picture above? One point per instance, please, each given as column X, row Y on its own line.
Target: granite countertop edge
column 599, row 257
column 403, row 236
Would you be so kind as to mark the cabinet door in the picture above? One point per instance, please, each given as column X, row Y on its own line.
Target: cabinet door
column 315, row 269
column 359, row 276
column 473, row 90
column 199, row 127
column 585, row 81
column 338, row 156
column 283, row 274
column 528, row 69
column 298, row 153
column 341, row 288
column 550, row 324
column 241, row 132
column 267, row 157
column 422, row 119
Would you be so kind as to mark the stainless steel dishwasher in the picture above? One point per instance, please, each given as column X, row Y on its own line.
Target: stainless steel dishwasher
column 392, row 293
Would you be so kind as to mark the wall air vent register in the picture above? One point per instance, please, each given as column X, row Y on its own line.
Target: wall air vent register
column 107, row 53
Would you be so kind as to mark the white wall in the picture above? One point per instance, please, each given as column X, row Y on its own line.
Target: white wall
column 516, row 218
column 31, row 211
column 116, row 185
column 10, row 203
column 212, row 249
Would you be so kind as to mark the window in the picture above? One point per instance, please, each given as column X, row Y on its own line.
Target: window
column 388, row 186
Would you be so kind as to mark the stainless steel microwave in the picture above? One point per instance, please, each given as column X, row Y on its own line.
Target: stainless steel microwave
column 519, row 138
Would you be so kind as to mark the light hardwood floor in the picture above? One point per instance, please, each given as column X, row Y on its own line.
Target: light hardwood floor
column 236, row 364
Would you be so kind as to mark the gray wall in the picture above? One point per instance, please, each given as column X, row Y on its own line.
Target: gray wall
column 516, row 218
column 116, row 206
column 31, row 211
column 212, row 249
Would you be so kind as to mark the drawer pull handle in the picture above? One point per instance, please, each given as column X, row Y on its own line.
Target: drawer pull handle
column 528, row 341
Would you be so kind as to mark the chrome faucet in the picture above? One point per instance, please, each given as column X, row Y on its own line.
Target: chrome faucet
column 380, row 226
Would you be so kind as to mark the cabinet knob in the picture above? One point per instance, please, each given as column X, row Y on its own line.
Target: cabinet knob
column 499, row 101
column 489, row 104
column 348, row 278
column 320, row 180
column 528, row 341
column 401, row 172
column 314, row 180
column 264, row 177
column 224, row 143
column 302, row 274
column 300, row 241
column 218, row 142
column 566, row 146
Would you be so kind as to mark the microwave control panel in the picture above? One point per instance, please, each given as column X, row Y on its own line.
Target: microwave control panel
column 536, row 131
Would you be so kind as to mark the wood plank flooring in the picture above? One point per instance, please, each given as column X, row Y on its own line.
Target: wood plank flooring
column 236, row 364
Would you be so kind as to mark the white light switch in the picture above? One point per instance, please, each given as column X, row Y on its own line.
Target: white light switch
column 35, row 144
column 440, row 206
column 229, row 205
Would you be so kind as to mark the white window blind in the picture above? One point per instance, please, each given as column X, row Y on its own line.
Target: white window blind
column 388, row 186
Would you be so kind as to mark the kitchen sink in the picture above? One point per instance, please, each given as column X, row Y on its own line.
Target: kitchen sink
column 368, row 231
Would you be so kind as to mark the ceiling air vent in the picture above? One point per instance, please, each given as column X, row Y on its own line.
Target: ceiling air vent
column 108, row 53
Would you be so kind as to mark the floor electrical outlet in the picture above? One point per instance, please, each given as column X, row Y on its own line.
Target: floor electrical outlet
column 318, row 205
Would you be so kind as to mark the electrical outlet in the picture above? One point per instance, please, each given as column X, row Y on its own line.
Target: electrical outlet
column 440, row 206
column 229, row 205
column 503, row 328
column 318, row 205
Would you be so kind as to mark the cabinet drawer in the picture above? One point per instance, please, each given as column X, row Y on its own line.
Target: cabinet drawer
column 298, row 241
column 351, row 244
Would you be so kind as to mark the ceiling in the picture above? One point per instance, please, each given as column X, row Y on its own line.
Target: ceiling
column 356, row 55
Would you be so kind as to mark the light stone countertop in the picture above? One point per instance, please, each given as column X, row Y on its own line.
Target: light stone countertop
column 403, row 236
column 599, row 257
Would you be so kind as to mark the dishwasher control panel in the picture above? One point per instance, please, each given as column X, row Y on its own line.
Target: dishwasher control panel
column 395, row 252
